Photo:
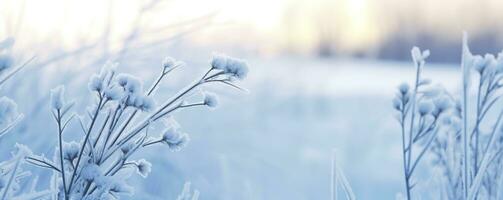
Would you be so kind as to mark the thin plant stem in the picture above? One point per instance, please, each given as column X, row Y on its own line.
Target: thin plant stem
column 79, row 158
column 62, row 166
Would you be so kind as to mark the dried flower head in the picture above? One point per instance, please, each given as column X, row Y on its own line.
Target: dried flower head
column 425, row 107
column 70, row 150
column 143, row 167
column 404, row 88
column 57, row 97
column 175, row 139
column 113, row 93
column 235, row 67
column 169, row 63
column 90, row 172
column 210, row 100
column 418, row 56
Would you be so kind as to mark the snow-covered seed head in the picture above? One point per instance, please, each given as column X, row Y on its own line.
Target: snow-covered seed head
column 237, row 68
column 8, row 111
column 425, row 107
column 144, row 103
column 482, row 64
column 234, row 67
column 130, row 83
column 95, row 83
column 404, row 88
column 143, row 168
column 210, row 99
column 175, row 139
column 6, row 61
column 169, row 62
column 90, row 172
column 442, row 103
column 122, row 79
column 397, row 104
column 147, row 104
column 219, row 61
column 57, row 97
column 127, row 148
column 418, row 56
column 70, row 150
column 113, row 93
column 98, row 82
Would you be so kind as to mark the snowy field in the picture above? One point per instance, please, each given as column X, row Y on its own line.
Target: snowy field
column 275, row 141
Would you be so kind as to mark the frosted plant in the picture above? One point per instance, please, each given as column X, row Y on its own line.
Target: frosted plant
column 14, row 181
column 96, row 166
column 9, row 115
column 466, row 143
column 418, row 116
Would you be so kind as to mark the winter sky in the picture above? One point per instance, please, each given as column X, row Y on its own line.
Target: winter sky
column 278, row 23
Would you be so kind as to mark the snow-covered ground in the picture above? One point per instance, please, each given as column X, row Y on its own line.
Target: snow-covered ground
column 275, row 141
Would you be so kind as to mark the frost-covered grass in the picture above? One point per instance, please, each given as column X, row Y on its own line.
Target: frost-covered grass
column 116, row 125
column 458, row 130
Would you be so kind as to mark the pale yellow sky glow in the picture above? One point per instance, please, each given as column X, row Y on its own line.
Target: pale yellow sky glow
column 301, row 24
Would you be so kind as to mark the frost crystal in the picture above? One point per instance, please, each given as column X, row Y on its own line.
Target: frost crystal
column 57, row 97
